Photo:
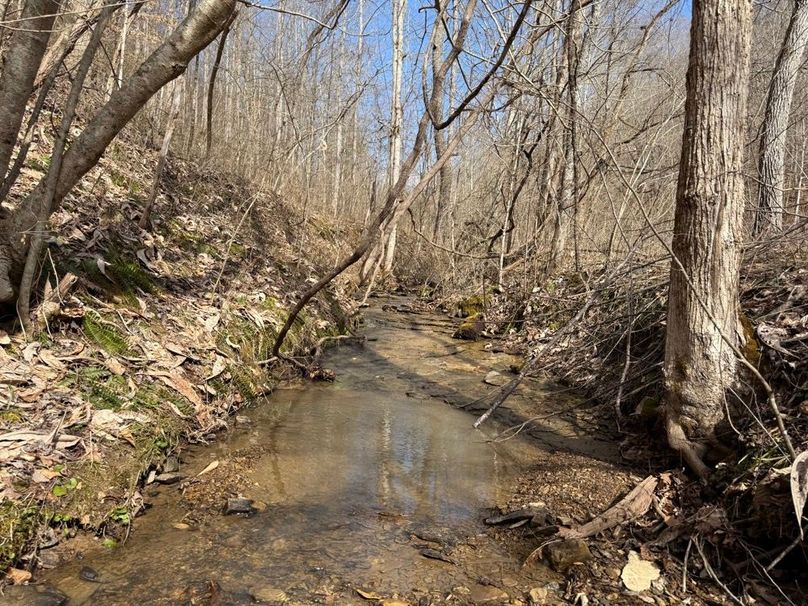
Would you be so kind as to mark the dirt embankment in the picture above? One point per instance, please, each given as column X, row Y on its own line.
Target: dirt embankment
column 156, row 338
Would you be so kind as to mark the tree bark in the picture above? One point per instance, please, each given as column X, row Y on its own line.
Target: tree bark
column 771, row 163
column 167, row 62
column 703, row 299
column 51, row 178
column 399, row 9
column 445, row 175
column 26, row 46
column 567, row 194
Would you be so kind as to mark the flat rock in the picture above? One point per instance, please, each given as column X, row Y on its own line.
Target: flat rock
column 487, row 594
column 168, row 478
column 238, row 505
column 171, row 464
column 497, row 379
column 538, row 596
column 562, row 555
column 32, row 595
column 269, row 595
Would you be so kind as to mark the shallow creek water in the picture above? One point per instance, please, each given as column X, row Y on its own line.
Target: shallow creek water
column 359, row 476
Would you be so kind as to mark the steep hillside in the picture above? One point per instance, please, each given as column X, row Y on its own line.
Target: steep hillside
column 151, row 338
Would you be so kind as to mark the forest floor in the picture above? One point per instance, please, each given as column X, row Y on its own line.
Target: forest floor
column 154, row 338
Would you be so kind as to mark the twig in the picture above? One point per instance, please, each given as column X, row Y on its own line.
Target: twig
column 713, row 575
column 784, row 553
column 684, row 564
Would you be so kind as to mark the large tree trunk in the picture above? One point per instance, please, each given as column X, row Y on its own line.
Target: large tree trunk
column 167, row 62
column 26, row 46
column 771, row 164
column 702, row 307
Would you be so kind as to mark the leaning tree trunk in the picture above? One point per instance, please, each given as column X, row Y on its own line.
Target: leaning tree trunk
column 771, row 163
column 26, row 46
column 703, row 300
column 167, row 62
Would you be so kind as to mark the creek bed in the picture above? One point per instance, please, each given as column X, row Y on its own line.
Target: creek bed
column 370, row 483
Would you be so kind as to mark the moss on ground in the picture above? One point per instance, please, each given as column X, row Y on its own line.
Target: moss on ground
column 18, row 526
column 471, row 306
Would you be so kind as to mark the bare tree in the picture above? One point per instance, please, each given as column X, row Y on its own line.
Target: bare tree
column 700, row 366
column 167, row 62
column 26, row 47
column 396, row 115
column 771, row 163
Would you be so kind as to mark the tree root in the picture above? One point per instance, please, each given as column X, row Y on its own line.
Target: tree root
column 7, row 291
column 692, row 452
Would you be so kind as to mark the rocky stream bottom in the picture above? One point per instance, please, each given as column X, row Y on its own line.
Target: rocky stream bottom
column 372, row 489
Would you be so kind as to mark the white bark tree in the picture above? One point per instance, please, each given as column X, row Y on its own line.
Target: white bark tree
column 771, row 163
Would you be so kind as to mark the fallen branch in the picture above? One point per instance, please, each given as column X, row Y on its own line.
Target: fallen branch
column 632, row 506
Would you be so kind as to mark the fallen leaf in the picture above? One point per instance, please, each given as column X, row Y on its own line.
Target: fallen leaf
column 212, row 321
column 114, row 366
column 213, row 465
column 176, row 349
column 638, row 574
column 30, row 351
column 369, row 595
column 218, row 368
column 181, row 385
column 102, row 266
column 51, row 360
column 40, row 476
column 176, row 410
column 799, row 486
column 4, row 338
column 17, row 576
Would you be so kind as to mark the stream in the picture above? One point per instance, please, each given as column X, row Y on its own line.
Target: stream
column 360, row 485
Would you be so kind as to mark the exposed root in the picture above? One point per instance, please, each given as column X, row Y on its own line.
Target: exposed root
column 692, row 452
column 7, row 291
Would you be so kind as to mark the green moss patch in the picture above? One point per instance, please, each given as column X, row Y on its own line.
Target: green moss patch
column 18, row 526
column 471, row 306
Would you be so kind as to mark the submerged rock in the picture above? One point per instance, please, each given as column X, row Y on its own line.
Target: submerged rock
column 487, row 594
column 89, row 574
column 33, row 595
column 269, row 595
column 496, row 379
column 168, row 478
column 471, row 329
column 238, row 505
column 562, row 555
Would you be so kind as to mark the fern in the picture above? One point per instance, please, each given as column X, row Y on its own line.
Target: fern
column 106, row 337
